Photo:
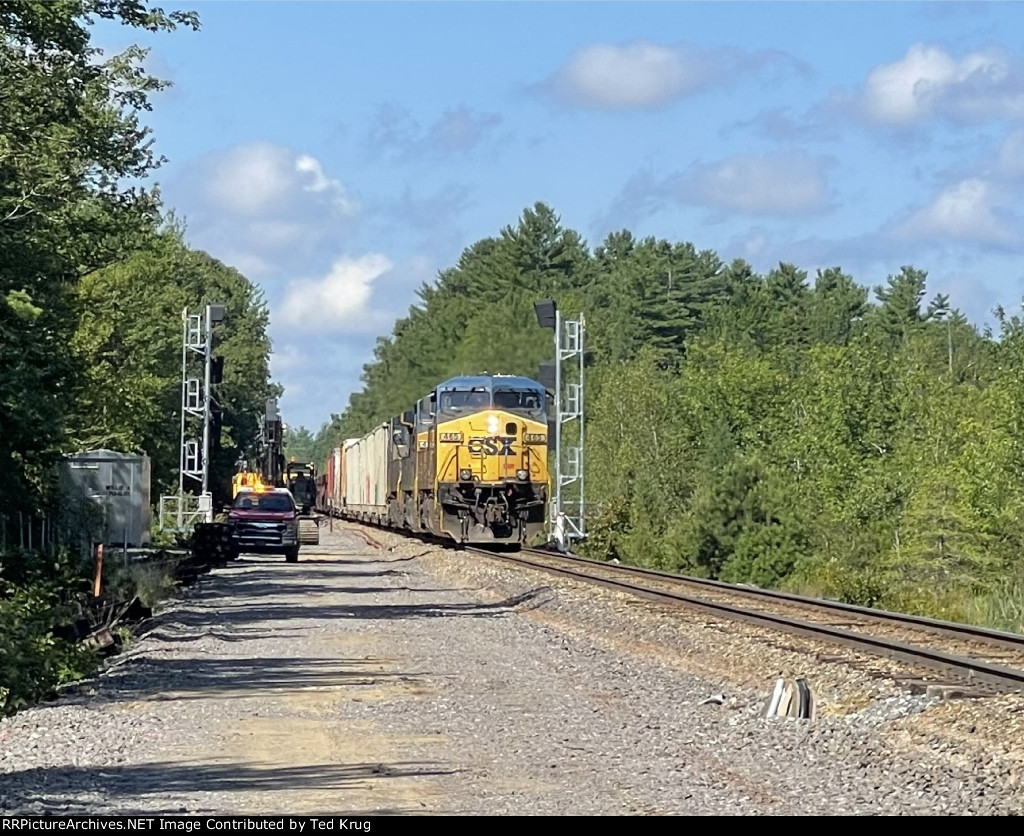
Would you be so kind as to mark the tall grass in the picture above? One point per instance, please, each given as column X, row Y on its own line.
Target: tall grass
column 151, row 581
column 1002, row 608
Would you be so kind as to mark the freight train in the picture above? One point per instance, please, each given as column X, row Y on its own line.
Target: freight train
column 468, row 462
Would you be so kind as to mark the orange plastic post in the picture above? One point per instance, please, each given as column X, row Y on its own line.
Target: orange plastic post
column 97, row 583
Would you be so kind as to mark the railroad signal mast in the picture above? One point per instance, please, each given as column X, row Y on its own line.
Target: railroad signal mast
column 197, row 402
column 567, row 519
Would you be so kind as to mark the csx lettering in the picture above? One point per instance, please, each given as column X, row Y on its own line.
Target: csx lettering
column 499, row 445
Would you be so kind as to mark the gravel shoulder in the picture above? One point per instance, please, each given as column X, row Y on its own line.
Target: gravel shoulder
column 409, row 679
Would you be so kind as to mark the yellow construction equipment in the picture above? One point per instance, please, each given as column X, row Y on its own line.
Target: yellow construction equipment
column 246, row 479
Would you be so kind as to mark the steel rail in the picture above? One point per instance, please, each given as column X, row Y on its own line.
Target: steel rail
column 952, row 629
column 974, row 671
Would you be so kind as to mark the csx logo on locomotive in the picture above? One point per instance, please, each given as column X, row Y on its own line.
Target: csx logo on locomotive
column 498, row 445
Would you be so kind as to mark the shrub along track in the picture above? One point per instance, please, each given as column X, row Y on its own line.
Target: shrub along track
column 138, row 584
column 972, row 655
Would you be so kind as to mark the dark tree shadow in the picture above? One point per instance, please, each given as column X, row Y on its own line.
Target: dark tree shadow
column 131, row 789
column 208, row 611
column 148, row 677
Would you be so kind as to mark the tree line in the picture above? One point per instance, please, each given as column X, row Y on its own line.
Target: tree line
column 94, row 276
column 791, row 431
column 94, row 272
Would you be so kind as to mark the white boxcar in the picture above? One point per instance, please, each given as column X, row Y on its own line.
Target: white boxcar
column 343, row 468
column 337, row 497
column 366, row 474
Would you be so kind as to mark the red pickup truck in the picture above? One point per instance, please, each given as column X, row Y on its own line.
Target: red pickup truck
column 264, row 522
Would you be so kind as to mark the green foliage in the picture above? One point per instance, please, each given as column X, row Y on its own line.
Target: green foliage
column 299, row 444
column 71, row 142
column 1001, row 607
column 40, row 592
column 128, row 341
column 37, row 593
column 743, row 526
column 151, row 581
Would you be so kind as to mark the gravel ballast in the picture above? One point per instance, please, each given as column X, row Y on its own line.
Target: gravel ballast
column 414, row 680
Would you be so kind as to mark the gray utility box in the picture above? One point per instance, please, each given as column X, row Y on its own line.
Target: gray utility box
column 117, row 484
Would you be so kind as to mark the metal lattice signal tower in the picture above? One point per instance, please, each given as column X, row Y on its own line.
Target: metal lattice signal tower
column 196, row 402
column 567, row 518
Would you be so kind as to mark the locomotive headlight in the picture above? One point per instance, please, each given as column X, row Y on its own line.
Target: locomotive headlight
column 522, row 475
column 492, row 424
column 466, row 475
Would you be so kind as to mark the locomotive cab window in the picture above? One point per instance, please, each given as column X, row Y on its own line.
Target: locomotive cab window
column 424, row 415
column 462, row 401
column 528, row 402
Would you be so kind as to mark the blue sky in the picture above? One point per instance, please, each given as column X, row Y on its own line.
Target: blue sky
column 341, row 154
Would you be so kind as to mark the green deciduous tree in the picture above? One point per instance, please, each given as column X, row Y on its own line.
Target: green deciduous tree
column 72, row 148
column 128, row 342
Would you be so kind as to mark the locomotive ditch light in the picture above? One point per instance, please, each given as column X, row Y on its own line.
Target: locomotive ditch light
column 522, row 475
column 545, row 310
column 466, row 475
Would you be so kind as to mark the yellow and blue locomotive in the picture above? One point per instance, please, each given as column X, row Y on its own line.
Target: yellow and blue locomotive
column 469, row 461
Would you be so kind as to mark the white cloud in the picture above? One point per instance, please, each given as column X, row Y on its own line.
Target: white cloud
column 263, row 208
column 257, row 178
column 251, row 179
column 930, row 83
column 767, row 184
column 644, row 75
column 311, row 165
column 337, row 300
column 641, row 75
column 971, row 211
column 332, row 324
column 318, row 182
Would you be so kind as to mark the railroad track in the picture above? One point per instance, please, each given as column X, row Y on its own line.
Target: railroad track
column 976, row 656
